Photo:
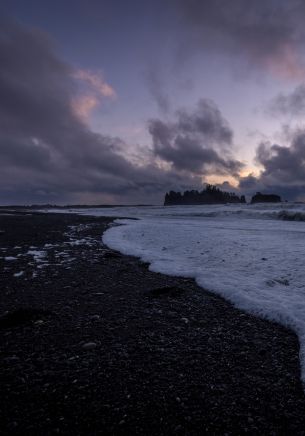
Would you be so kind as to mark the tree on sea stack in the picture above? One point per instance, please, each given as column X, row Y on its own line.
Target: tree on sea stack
column 210, row 195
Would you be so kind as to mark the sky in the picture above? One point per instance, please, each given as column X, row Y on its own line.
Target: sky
column 116, row 102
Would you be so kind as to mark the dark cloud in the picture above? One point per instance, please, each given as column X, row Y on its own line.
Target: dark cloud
column 249, row 184
column 206, row 122
column 266, row 33
column 198, row 141
column 283, row 169
column 292, row 104
column 47, row 153
column 284, row 165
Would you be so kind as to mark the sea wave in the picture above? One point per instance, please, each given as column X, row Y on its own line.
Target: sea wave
column 269, row 211
column 285, row 215
column 291, row 216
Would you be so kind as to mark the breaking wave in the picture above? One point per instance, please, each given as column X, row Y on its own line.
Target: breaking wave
column 291, row 216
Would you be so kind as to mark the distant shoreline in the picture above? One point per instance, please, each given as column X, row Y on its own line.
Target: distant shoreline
column 72, row 206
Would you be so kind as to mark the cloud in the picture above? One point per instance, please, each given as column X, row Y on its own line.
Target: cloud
column 207, row 123
column 96, row 81
column 47, row 153
column 292, row 104
column 157, row 91
column 283, row 164
column 84, row 105
column 92, row 91
column 283, row 169
column 269, row 35
column 199, row 142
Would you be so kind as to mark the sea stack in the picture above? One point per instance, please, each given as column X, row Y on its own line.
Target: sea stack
column 265, row 198
column 210, row 195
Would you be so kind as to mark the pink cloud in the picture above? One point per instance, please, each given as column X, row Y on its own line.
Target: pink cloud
column 84, row 105
column 96, row 83
column 285, row 63
column 92, row 90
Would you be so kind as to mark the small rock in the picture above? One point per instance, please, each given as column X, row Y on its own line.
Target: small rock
column 11, row 359
column 14, row 424
column 89, row 346
column 39, row 322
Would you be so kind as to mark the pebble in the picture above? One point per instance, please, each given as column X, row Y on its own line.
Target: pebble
column 89, row 346
column 39, row 322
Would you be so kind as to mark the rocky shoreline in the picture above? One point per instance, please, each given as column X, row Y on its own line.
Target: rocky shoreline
column 92, row 342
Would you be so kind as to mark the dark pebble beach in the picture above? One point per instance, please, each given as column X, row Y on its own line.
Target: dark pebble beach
column 93, row 343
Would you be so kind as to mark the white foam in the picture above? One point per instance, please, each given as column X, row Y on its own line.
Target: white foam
column 85, row 241
column 38, row 255
column 19, row 274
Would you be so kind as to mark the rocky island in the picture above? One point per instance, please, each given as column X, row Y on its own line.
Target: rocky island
column 210, row 195
column 265, row 198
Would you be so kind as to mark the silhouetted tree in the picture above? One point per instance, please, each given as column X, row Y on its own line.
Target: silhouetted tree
column 210, row 195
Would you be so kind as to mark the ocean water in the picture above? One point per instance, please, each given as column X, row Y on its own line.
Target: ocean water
column 252, row 255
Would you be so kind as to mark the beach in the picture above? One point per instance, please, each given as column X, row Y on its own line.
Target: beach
column 92, row 342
